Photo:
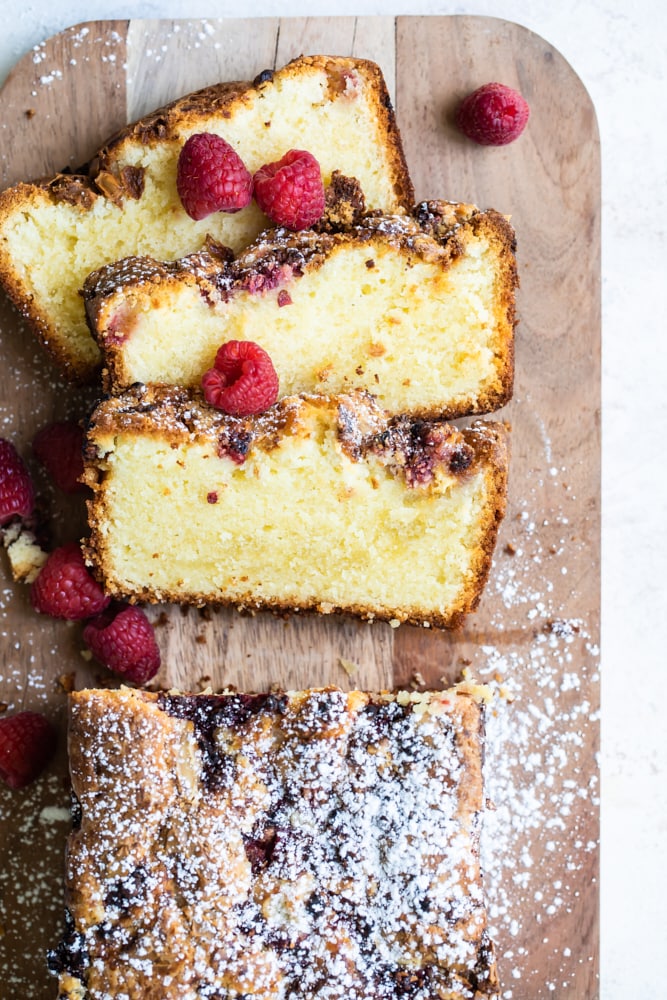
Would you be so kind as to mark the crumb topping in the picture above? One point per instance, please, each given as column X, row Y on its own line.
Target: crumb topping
column 278, row 255
column 345, row 202
column 420, row 451
column 73, row 189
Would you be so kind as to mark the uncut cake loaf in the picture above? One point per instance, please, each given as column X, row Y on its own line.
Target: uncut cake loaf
column 312, row 844
column 418, row 309
column 54, row 232
column 320, row 503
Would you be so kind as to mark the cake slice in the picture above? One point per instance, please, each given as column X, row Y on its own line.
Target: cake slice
column 320, row 503
column 417, row 309
column 54, row 232
column 304, row 844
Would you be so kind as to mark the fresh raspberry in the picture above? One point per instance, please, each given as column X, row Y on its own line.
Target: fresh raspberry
column 123, row 640
column 65, row 589
column 16, row 492
column 27, row 744
column 493, row 115
column 211, row 177
column 243, row 380
column 59, row 447
column 290, row 191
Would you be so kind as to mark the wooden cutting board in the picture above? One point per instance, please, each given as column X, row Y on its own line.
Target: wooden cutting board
column 535, row 635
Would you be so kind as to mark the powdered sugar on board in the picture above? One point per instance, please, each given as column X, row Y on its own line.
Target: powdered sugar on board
column 103, row 47
column 540, row 840
column 33, row 824
column 542, row 785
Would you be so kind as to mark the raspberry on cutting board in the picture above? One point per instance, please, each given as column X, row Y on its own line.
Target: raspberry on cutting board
column 122, row 639
column 243, row 380
column 27, row 744
column 65, row 589
column 211, row 177
column 59, row 447
column 17, row 496
column 493, row 115
column 290, row 190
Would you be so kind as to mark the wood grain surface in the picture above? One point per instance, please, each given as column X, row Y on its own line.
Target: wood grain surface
column 536, row 631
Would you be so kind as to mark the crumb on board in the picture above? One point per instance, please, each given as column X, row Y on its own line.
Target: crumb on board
column 66, row 682
column 348, row 666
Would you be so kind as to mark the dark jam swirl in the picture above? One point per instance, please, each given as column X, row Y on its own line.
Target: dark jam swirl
column 70, row 956
column 210, row 713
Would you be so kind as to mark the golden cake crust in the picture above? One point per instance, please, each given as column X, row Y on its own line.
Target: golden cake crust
column 123, row 295
column 113, row 180
column 428, row 460
column 244, row 844
column 184, row 113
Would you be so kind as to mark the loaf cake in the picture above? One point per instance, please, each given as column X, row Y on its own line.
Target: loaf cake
column 417, row 309
column 313, row 844
column 54, row 232
column 320, row 503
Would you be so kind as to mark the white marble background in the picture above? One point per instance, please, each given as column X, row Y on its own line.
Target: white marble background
column 619, row 50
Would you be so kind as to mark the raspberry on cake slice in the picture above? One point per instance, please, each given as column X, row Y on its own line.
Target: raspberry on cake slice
column 418, row 309
column 319, row 503
column 262, row 845
column 242, row 381
column 290, row 191
column 211, row 177
column 127, row 201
